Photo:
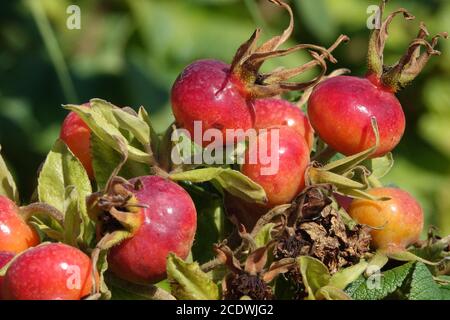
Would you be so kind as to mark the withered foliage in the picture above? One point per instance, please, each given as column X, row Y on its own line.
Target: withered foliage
column 316, row 228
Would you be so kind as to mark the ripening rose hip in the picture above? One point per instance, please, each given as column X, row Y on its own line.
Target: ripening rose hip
column 206, row 92
column 76, row 134
column 15, row 234
column 341, row 108
column 168, row 224
column 282, row 175
column 400, row 218
column 49, row 272
column 272, row 112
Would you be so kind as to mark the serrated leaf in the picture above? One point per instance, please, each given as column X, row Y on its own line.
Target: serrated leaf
column 233, row 181
column 264, row 236
column 7, row 185
column 344, row 277
column 423, row 286
column 189, row 282
column 106, row 159
column 314, row 273
column 379, row 285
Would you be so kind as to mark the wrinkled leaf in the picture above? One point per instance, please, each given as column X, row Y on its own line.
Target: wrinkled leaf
column 423, row 286
column 189, row 282
column 379, row 285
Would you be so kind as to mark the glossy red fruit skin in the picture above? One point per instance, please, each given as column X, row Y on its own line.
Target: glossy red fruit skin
column 169, row 225
column 272, row 112
column 76, row 134
column 205, row 91
column 400, row 218
column 5, row 257
column 340, row 109
column 15, row 234
column 293, row 159
column 47, row 272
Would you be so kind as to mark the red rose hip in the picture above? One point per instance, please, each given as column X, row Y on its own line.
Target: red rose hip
column 282, row 156
column 15, row 234
column 273, row 112
column 5, row 257
column 340, row 110
column 76, row 134
column 168, row 224
column 49, row 272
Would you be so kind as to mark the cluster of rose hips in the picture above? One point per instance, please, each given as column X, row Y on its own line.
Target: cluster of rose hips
column 161, row 215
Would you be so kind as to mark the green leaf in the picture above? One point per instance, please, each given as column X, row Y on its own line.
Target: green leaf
column 7, row 185
column 105, row 160
column 409, row 256
column 62, row 174
column 379, row 286
column 344, row 277
column 211, row 222
column 105, row 126
column 445, row 292
column 381, row 166
column 155, row 140
column 62, row 169
column 332, row 293
column 264, row 236
column 314, row 273
column 72, row 219
column 423, row 286
column 233, row 181
column 189, row 282
column 138, row 127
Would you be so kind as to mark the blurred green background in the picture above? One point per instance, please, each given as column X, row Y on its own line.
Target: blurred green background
column 130, row 52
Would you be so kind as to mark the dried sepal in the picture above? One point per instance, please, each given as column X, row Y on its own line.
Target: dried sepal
column 249, row 58
column 397, row 76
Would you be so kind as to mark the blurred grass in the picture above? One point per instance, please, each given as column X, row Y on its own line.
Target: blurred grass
column 130, row 52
